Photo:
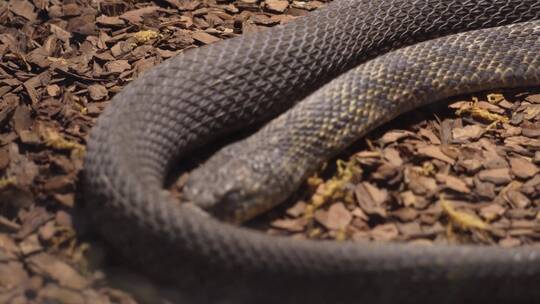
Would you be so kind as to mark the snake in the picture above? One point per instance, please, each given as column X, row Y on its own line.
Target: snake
column 320, row 82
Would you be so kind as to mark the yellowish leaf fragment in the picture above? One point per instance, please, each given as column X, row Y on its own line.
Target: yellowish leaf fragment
column 315, row 232
column 462, row 219
column 341, row 235
column 7, row 181
column 475, row 111
column 314, row 181
column 495, row 98
column 55, row 140
column 145, row 36
column 333, row 189
column 428, row 169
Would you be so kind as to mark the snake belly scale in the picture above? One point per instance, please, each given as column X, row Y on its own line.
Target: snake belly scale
column 192, row 99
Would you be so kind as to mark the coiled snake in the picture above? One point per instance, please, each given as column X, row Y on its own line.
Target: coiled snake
column 192, row 99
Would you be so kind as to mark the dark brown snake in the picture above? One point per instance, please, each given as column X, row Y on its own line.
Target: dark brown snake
column 199, row 96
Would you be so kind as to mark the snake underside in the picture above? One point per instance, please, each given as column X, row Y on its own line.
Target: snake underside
column 194, row 98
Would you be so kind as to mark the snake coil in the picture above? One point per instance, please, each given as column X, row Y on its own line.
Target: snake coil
column 194, row 98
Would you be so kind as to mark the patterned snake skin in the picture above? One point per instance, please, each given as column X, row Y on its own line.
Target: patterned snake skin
column 196, row 97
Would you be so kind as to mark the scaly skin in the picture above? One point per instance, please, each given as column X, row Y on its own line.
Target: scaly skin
column 190, row 100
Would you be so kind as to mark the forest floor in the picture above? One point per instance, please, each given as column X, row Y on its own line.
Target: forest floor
column 464, row 171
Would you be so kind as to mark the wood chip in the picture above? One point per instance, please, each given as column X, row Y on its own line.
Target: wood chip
column 467, row 133
column 435, row 152
column 293, row 225
column 496, row 176
column 523, row 168
column 61, row 62
column 23, row 8
column 278, row 6
column 371, row 199
column 453, row 183
column 58, row 270
column 97, row 92
column 205, row 38
column 385, row 232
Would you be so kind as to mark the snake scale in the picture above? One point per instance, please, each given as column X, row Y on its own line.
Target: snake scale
column 200, row 95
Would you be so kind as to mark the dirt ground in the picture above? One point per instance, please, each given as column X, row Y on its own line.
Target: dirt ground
column 463, row 171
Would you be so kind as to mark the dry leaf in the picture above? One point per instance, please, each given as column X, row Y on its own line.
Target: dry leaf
column 461, row 219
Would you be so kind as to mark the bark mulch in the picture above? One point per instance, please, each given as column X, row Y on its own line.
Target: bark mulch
column 465, row 175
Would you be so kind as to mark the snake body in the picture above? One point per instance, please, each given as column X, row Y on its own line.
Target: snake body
column 196, row 97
